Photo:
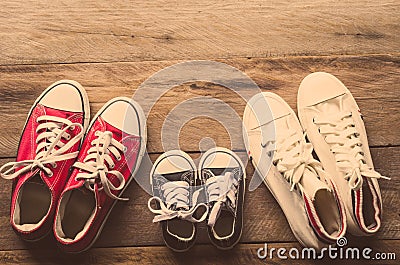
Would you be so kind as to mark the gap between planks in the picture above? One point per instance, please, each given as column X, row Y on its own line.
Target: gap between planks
column 177, row 60
column 48, row 31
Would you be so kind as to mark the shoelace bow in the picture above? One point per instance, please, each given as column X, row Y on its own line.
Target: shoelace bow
column 219, row 190
column 94, row 164
column 50, row 148
column 176, row 204
column 293, row 156
column 341, row 135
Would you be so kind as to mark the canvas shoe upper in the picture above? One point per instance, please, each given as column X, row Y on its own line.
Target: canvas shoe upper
column 109, row 157
column 333, row 122
column 175, row 195
column 305, row 192
column 47, row 149
column 223, row 175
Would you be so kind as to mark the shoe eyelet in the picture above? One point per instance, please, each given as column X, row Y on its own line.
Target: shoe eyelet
column 112, row 166
column 68, row 136
column 119, row 158
column 54, row 165
column 72, row 128
column 51, row 174
column 125, row 149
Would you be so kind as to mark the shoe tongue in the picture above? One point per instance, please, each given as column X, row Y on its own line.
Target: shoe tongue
column 311, row 184
column 178, row 183
column 225, row 206
column 209, row 180
column 174, row 207
column 331, row 106
column 179, row 177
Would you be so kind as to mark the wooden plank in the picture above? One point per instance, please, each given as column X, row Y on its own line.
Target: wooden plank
column 131, row 222
column 373, row 80
column 200, row 254
column 97, row 31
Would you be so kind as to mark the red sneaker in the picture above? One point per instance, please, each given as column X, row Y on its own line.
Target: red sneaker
column 110, row 155
column 48, row 148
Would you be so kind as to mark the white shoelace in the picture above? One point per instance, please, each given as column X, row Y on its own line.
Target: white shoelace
column 219, row 190
column 50, row 148
column 177, row 194
column 94, row 164
column 342, row 137
column 293, row 156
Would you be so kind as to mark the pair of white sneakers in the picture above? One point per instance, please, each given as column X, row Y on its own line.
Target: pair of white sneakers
column 320, row 199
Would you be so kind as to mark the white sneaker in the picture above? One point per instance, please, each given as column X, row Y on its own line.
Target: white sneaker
column 306, row 194
column 333, row 122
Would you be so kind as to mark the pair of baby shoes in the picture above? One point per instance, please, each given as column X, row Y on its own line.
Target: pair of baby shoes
column 184, row 195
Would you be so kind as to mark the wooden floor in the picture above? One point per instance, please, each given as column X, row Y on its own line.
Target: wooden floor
column 111, row 47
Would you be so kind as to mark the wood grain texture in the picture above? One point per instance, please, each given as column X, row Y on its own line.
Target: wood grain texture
column 130, row 224
column 111, row 47
column 200, row 254
column 373, row 80
column 41, row 32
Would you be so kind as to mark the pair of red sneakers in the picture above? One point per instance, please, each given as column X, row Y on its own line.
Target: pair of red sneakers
column 69, row 174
